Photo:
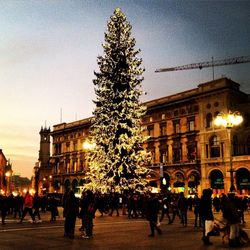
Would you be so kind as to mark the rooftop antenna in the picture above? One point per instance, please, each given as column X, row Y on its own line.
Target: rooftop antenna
column 60, row 115
column 213, row 66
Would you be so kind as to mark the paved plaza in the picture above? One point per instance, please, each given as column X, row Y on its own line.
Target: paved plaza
column 116, row 232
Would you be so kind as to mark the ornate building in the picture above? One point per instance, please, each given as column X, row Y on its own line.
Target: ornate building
column 68, row 156
column 188, row 152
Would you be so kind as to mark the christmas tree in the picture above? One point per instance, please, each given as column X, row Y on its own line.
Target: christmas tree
column 117, row 162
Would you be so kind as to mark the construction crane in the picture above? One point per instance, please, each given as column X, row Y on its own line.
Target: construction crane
column 201, row 65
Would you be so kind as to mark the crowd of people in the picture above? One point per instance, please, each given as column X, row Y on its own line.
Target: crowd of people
column 153, row 207
column 18, row 207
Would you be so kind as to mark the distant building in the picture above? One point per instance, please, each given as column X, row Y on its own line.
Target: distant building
column 3, row 164
column 20, row 184
column 5, row 174
column 188, row 152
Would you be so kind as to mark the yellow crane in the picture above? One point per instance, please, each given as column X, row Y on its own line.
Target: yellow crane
column 201, row 65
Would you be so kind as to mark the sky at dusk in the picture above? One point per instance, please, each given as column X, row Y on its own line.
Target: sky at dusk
column 49, row 52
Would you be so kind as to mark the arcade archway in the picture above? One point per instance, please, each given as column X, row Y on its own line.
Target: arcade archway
column 243, row 181
column 179, row 184
column 217, row 181
column 193, row 182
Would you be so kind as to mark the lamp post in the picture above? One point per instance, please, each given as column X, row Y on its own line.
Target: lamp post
column 228, row 121
column 50, row 183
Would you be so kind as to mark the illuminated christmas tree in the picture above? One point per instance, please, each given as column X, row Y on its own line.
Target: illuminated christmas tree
column 117, row 162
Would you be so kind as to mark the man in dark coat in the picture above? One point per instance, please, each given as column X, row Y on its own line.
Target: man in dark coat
column 206, row 213
column 152, row 214
column 3, row 207
column 88, row 209
column 70, row 212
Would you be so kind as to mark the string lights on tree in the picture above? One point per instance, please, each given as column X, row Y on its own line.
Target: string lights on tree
column 117, row 162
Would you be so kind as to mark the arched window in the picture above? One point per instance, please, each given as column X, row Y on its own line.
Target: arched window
column 179, row 180
column 209, row 119
column 214, row 147
column 243, row 179
column 177, row 151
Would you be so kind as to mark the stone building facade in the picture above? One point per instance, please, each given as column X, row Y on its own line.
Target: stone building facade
column 188, row 152
column 68, row 160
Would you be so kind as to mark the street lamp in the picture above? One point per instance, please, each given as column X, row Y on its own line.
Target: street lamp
column 228, row 121
column 7, row 175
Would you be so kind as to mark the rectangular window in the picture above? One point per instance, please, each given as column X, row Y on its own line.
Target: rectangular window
column 163, row 130
column 164, row 156
column 191, row 125
column 215, row 152
column 151, row 131
column 75, row 166
column 177, row 128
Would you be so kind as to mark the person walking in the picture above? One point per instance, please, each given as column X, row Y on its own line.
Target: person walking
column 28, row 207
column 206, row 214
column 18, row 206
column 165, row 209
column 52, row 203
column 152, row 214
column 174, row 208
column 114, row 204
column 196, row 205
column 70, row 212
column 36, row 206
column 182, row 205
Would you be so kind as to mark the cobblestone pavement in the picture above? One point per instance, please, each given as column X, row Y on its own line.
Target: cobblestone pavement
column 116, row 232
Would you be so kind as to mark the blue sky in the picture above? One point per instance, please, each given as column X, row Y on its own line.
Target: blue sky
column 49, row 49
